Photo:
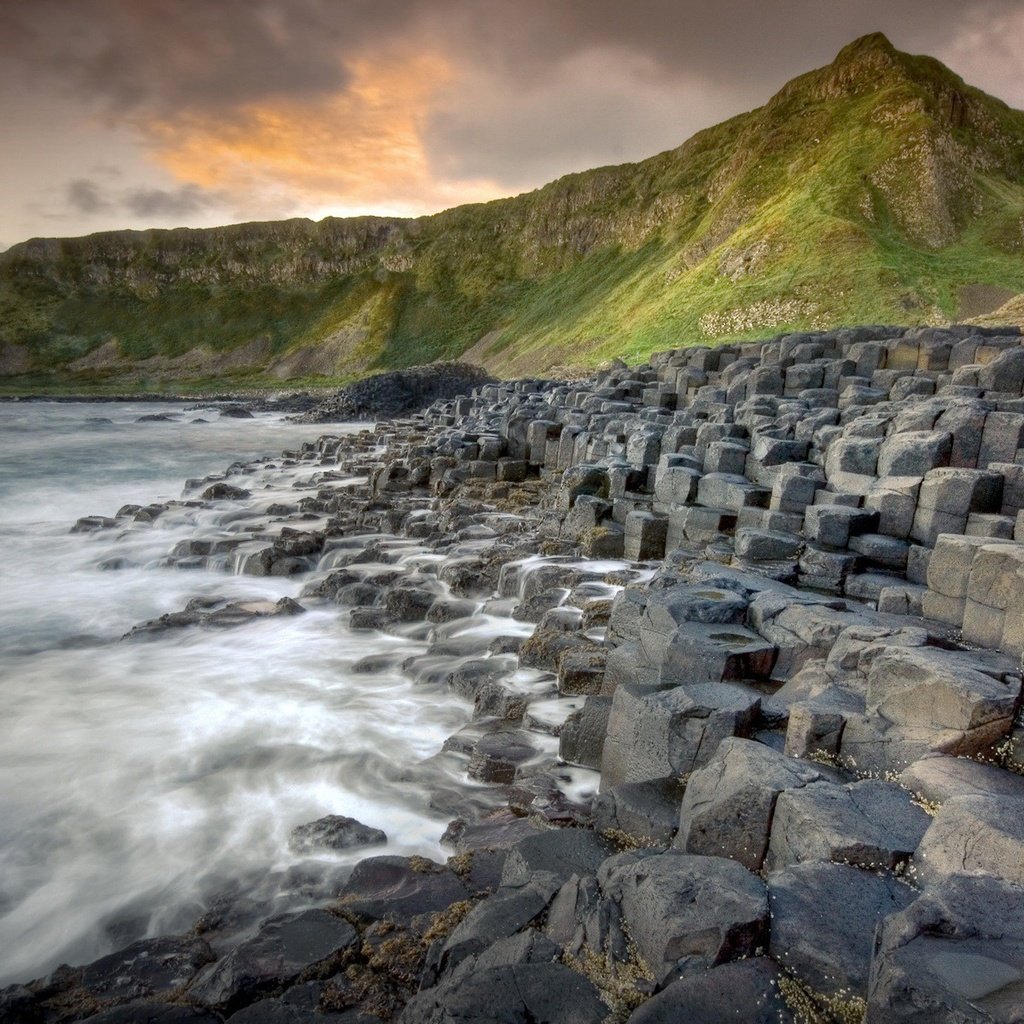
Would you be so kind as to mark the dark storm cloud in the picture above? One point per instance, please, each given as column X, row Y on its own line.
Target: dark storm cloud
column 162, row 56
column 85, row 196
column 160, row 202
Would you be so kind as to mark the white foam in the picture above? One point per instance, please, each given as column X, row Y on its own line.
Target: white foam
column 135, row 778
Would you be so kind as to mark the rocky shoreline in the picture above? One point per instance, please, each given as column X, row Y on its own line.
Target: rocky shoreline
column 747, row 745
column 388, row 394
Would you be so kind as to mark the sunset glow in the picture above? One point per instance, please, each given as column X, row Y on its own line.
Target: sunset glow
column 360, row 150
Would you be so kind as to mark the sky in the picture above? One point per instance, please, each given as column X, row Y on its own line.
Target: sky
column 162, row 113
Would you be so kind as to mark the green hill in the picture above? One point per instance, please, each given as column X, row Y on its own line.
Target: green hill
column 880, row 188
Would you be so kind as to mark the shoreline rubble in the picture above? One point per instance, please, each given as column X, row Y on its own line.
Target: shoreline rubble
column 767, row 591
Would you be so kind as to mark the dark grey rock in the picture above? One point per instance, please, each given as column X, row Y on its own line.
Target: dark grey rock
column 652, row 735
column 574, row 907
column 499, row 830
column 955, row 954
column 647, row 812
column 870, row 824
column 824, row 918
column 471, row 677
column 151, row 1013
column 397, row 392
column 284, row 948
column 225, row 492
column 746, row 991
column 548, row 796
column 581, row 740
column 145, row 970
column 555, row 854
column 399, row 889
column 919, row 700
column 974, row 835
column 333, row 832
column 937, row 777
column 729, row 803
column 498, row 917
column 18, row 1005
column 497, row 755
column 687, row 913
column 275, row 1011
column 545, row 647
column 698, row 653
column 213, row 612
column 522, row 994
column 528, row 946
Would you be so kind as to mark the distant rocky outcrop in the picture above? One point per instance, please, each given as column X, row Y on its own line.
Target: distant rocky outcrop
column 398, row 392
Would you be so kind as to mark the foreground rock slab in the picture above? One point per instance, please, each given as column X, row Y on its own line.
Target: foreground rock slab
column 311, row 942
column 955, row 954
column 687, row 913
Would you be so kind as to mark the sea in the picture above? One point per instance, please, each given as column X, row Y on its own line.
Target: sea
column 141, row 780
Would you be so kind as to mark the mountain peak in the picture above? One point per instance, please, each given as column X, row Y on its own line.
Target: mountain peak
column 873, row 42
column 864, row 65
column 868, row 57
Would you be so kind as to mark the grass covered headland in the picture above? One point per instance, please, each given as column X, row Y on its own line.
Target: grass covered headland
column 881, row 188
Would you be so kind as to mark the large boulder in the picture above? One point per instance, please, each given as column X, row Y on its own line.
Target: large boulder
column 970, row 835
column 918, row 701
column 281, row 950
column 554, row 855
column 333, row 832
column 666, row 610
column 728, row 805
column 498, row 917
column 870, row 824
column 802, row 627
column 697, row 652
column 521, row 994
column 645, row 812
column 150, row 970
column 687, row 913
column 397, row 392
column 581, row 740
column 746, row 991
column 938, row 777
column 914, row 453
column 399, row 889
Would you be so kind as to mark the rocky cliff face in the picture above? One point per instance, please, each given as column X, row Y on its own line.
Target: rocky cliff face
column 277, row 252
column 877, row 188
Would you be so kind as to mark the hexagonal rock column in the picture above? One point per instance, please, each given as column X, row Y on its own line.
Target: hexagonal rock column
column 687, row 913
column 728, row 805
column 656, row 733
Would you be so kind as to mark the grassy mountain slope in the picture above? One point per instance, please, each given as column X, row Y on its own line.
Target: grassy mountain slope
column 880, row 188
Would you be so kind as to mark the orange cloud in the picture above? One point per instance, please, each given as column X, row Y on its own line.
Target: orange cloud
column 361, row 150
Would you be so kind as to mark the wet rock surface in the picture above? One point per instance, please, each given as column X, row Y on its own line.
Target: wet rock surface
column 748, row 744
column 334, row 832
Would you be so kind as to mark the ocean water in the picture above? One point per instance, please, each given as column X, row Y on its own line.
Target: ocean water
column 138, row 780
